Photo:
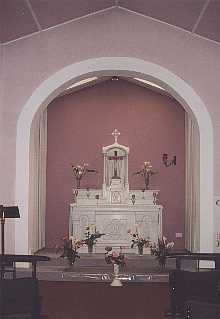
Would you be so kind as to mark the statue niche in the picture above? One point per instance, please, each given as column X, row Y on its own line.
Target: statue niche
column 115, row 177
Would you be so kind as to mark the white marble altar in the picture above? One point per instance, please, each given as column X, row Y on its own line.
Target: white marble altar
column 115, row 209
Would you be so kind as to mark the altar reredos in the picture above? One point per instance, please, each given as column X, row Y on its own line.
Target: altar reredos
column 115, row 208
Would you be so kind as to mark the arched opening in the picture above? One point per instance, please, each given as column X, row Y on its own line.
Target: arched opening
column 80, row 123
column 122, row 67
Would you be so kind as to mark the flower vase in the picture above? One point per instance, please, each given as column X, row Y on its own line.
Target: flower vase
column 140, row 250
column 90, row 248
column 116, row 281
column 71, row 261
column 162, row 263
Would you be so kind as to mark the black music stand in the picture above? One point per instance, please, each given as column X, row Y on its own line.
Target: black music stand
column 7, row 212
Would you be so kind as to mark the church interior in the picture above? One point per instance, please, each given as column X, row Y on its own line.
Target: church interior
column 110, row 162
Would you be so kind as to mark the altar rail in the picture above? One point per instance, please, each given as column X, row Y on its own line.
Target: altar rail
column 10, row 260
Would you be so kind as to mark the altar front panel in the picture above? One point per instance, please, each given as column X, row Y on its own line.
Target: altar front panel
column 115, row 226
column 114, row 222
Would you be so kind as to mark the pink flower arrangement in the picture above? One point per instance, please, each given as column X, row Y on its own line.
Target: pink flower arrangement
column 114, row 257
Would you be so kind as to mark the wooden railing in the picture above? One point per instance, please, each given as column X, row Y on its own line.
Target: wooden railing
column 7, row 261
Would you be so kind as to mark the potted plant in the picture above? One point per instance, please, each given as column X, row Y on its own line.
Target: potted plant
column 161, row 250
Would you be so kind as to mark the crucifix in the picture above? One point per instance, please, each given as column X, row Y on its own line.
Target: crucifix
column 115, row 158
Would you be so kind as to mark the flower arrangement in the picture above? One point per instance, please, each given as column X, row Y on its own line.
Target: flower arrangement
column 91, row 237
column 161, row 250
column 146, row 172
column 114, row 257
column 70, row 248
column 117, row 259
column 79, row 171
column 138, row 241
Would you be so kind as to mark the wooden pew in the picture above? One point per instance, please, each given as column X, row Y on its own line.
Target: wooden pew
column 19, row 297
column 201, row 310
column 187, row 286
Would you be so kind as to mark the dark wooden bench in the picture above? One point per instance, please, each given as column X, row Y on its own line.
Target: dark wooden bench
column 7, row 263
column 185, row 286
column 19, row 297
column 201, row 310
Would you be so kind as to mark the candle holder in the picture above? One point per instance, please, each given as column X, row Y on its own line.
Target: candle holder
column 167, row 162
column 79, row 171
column 218, row 240
column 97, row 199
column 75, row 194
column 133, row 199
column 146, row 172
column 155, row 198
column 87, row 192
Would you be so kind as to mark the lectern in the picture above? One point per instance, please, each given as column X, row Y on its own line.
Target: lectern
column 7, row 212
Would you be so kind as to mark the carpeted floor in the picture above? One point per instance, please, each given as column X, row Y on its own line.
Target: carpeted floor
column 83, row 291
column 98, row 300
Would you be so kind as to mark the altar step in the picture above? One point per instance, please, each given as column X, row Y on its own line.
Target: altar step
column 100, row 249
column 92, row 267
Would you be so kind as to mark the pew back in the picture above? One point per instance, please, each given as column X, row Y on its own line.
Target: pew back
column 202, row 310
column 197, row 286
column 19, row 296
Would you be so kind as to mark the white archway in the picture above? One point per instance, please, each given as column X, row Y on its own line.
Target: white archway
column 122, row 66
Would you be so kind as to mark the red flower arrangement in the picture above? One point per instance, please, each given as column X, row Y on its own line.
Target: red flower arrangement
column 114, row 257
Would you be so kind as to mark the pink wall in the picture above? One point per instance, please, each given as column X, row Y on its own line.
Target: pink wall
column 81, row 123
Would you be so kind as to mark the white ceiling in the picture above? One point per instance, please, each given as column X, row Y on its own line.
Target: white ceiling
column 89, row 82
column 19, row 18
